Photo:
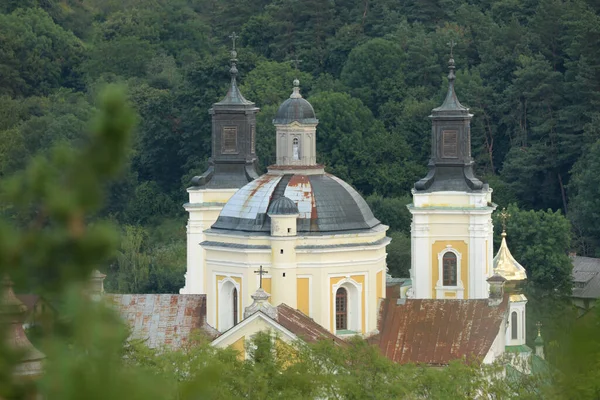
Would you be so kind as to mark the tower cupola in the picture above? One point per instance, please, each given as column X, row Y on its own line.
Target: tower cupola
column 296, row 126
column 451, row 164
column 233, row 162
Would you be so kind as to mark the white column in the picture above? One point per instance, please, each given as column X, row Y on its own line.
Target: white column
column 421, row 257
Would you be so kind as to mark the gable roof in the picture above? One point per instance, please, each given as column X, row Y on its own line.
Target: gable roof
column 303, row 326
column 294, row 323
column 234, row 330
column 435, row 332
column 163, row 319
column 586, row 277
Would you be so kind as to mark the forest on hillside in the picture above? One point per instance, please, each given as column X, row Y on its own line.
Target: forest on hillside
column 373, row 69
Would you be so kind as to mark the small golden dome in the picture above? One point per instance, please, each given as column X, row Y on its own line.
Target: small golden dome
column 506, row 266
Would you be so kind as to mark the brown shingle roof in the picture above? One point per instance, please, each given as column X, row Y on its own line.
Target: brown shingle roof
column 303, row 326
column 436, row 332
column 163, row 319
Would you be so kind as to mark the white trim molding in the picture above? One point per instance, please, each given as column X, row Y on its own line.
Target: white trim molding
column 440, row 289
column 354, row 291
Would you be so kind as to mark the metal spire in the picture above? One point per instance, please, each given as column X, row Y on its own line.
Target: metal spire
column 451, row 102
column 234, row 96
column 233, row 70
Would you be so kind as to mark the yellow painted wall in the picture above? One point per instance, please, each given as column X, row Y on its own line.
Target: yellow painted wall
column 303, row 295
column 267, row 285
column 379, row 285
column 238, row 280
column 240, row 346
column 459, row 246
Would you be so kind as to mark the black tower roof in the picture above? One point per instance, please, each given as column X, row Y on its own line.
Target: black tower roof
column 233, row 162
column 451, row 164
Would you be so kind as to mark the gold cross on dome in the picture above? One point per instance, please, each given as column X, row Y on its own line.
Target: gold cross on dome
column 260, row 273
column 504, row 216
column 539, row 326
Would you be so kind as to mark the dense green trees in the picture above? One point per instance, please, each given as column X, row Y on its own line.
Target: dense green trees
column 373, row 70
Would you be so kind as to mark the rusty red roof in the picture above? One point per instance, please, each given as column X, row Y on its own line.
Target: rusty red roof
column 163, row 319
column 435, row 332
column 303, row 326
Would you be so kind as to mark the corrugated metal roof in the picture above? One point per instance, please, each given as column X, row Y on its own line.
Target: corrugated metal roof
column 163, row 320
column 436, row 332
column 303, row 326
column 325, row 204
column 586, row 273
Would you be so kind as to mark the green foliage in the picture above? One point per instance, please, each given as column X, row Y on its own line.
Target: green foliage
column 398, row 255
column 540, row 241
column 585, row 203
column 36, row 55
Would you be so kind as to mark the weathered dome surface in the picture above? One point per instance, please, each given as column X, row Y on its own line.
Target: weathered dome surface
column 295, row 109
column 324, row 203
column 282, row 206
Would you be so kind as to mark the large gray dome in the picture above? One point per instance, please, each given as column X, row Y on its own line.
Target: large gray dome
column 324, row 202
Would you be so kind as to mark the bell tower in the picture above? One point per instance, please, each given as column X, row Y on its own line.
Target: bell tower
column 451, row 231
column 232, row 165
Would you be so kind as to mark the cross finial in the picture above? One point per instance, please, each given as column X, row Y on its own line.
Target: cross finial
column 504, row 216
column 233, row 36
column 260, row 273
column 451, row 43
column 539, row 327
column 296, row 62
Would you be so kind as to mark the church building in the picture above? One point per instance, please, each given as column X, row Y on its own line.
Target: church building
column 308, row 235
column 297, row 250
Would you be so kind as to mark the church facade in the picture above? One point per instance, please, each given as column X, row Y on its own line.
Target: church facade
column 307, row 237
column 299, row 244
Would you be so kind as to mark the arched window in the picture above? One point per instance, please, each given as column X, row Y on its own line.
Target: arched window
column 235, row 306
column 513, row 325
column 341, row 309
column 295, row 149
column 449, row 269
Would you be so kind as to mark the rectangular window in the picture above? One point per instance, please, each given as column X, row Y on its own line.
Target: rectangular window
column 449, row 144
column 229, row 140
column 253, row 139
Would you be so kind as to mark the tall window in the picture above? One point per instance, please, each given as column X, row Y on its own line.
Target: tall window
column 341, row 309
column 235, row 306
column 295, row 149
column 513, row 325
column 253, row 139
column 449, row 267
